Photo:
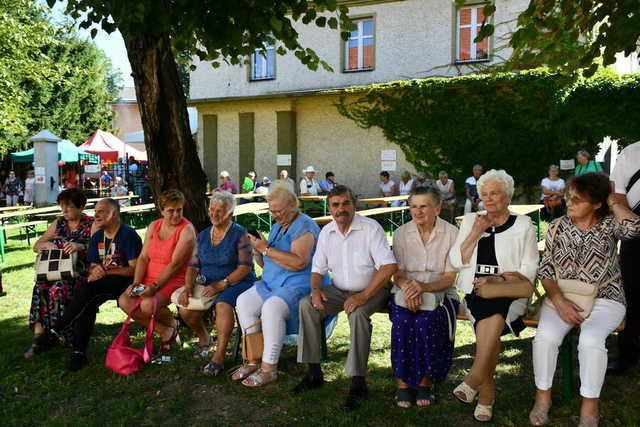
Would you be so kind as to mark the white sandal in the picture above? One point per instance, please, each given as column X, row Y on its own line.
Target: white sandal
column 483, row 411
column 469, row 393
column 244, row 371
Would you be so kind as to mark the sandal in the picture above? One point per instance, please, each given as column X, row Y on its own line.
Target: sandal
column 244, row 371
column 38, row 344
column 483, row 413
column 464, row 393
column 404, row 395
column 202, row 351
column 539, row 416
column 165, row 346
column 426, row 394
column 213, row 369
column 260, row 378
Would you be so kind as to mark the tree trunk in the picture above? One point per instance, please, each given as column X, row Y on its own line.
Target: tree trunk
column 171, row 149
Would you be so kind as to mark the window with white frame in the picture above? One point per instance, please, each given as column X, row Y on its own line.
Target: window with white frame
column 358, row 50
column 469, row 23
column 263, row 63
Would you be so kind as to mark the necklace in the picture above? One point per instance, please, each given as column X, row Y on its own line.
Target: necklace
column 213, row 237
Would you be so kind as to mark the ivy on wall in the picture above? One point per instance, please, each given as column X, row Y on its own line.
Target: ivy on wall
column 520, row 122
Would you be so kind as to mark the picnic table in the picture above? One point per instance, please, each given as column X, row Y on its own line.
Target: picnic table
column 322, row 220
column 384, row 200
column 248, row 196
column 255, row 208
column 314, row 199
column 97, row 199
column 13, row 208
column 521, row 210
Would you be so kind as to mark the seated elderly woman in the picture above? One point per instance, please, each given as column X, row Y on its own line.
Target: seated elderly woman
column 424, row 304
column 223, row 261
column 553, row 193
column 286, row 261
column 582, row 246
column 161, row 267
column 497, row 256
column 71, row 232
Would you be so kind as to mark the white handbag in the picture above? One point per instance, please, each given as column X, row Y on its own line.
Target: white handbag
column 196, row 301
column 55, row 264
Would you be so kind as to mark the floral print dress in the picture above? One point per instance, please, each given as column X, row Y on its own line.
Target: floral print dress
column 50, row 299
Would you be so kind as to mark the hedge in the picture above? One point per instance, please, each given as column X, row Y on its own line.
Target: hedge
column 521, row 122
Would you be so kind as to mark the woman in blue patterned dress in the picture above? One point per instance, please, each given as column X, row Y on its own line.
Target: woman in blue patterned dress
column 223, row 260
column 71, row 233
column 286, row 261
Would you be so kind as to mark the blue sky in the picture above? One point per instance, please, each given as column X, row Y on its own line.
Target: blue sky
column 112, row 44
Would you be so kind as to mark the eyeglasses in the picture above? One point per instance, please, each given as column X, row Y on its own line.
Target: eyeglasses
column 574, row 200
column 278, row 212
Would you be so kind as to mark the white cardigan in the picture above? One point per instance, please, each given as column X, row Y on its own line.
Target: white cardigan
column 516, row 250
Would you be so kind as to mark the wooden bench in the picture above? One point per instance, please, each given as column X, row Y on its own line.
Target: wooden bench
column 28, row 227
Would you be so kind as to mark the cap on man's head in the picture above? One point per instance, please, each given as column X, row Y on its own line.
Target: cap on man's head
column 266, row 180
column 252, row 174
column 309, row 169
column 224, row 174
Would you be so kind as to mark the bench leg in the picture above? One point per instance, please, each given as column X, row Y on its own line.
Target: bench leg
column 566, row 366
column 236, row 346
column 323, row 341
column 2, row 248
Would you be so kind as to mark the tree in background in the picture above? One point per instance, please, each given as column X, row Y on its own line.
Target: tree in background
column 570, row 35
column 154, row 31
column 49, row 78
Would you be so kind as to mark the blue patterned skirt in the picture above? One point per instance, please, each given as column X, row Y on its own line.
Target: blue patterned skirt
column 422, row 342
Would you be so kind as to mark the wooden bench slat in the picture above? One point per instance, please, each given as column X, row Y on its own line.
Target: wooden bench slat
column 22, row 224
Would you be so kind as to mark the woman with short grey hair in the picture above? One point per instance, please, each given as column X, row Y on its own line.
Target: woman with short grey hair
column 497, row 255
column 585, row 164
column 222, row 264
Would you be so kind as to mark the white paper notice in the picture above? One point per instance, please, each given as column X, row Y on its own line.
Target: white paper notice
column 388, row 166
column 388, row 155
column 40, row 179
column 567, row 164
column 92, row 168
column 283, row 160
column 39, row 171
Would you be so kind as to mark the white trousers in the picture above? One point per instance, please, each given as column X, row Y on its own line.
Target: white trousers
column 273, row 312
column 468, row 206
column 12, row 200
column 592, row 353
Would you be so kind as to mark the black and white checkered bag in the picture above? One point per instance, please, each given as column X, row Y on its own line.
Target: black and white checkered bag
column 55, row 264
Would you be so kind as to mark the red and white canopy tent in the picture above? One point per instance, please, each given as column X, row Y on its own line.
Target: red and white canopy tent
column 109, row 147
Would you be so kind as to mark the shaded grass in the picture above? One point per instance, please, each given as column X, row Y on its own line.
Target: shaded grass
column 37, row 392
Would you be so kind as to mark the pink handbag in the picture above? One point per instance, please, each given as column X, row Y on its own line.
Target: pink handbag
column 124, row 359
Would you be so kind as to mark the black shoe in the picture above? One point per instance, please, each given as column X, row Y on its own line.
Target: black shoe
column 618, row 367
column 76, row 362
column 308, row 383
column 355, row 397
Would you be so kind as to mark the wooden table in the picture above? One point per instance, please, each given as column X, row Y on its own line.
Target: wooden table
column 521, row 210
column 97, row 199
column 248, row 196
column 256, row 209
column 13, row 208
column 319, row 198
column 384, row 200
column 322, row 220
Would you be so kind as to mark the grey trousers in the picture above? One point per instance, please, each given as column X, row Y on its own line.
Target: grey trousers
column 310, row 333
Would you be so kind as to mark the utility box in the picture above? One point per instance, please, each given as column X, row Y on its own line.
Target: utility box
column 45, row 156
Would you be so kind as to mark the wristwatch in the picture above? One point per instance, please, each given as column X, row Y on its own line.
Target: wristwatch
column 226, row 282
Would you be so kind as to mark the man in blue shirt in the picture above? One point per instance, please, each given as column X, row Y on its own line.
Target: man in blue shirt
column 328, row 183
column 112, row 252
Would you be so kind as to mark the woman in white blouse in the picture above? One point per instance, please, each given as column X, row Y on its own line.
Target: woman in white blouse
column 424, row 304
column 553, row 193
column 497, row 256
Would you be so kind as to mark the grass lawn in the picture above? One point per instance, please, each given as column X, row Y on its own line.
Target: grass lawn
column 36, row 392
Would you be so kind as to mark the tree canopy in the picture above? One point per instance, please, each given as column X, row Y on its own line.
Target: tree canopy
column 156, row 31
column 571, row 35
column 49, row 78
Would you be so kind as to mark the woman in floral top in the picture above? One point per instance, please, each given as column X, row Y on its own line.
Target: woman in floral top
column 582, row 246
column 71, row 233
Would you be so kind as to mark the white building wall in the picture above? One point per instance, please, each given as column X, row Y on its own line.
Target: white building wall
column 412, row 39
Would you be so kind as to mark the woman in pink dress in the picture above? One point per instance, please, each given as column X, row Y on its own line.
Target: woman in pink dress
column 161, row 267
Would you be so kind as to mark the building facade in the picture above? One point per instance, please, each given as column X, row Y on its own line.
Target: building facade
column 274, row 113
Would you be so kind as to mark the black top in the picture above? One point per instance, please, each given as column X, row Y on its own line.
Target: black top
column 486, row 261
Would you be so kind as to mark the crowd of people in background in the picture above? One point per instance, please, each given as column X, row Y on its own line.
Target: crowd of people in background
column 309, row 275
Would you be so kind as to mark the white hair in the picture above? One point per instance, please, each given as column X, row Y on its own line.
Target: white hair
column 225, row 198
column 500, row 176
column 225, row 174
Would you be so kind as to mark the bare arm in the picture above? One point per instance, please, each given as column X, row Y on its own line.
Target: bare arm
column 467, row 247
column 296, row 260
column 45, row 241
column 127, row 271
column 143, row 259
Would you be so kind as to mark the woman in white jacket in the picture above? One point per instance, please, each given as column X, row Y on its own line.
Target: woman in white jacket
column 497, row 256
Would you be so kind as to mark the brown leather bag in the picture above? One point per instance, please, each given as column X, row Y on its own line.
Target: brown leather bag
column 252, row 344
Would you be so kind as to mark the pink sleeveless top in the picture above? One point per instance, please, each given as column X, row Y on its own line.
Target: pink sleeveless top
column 160, row 253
